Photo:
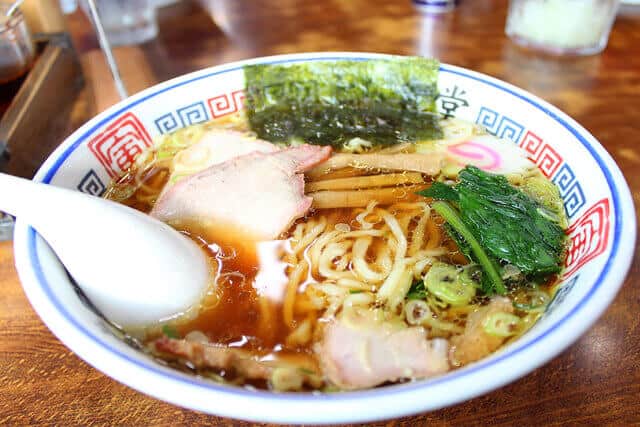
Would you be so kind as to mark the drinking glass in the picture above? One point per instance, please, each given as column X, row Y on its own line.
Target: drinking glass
column 16, row 47
column 577, row 27
column 126, row 22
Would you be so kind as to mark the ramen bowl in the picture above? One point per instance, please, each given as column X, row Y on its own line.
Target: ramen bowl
column 596, row 199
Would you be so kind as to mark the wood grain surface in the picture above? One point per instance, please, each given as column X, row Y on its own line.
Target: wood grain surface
column 595, row 382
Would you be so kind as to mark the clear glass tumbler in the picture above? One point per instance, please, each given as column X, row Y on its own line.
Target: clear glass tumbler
column 126, row 22
column 574, row 27
column 16, row 47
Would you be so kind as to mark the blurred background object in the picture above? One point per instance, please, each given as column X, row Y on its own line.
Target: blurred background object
column 629, row 7
column 127, row 22
column 434, row 6
column 40, row 80
column 105, row 45
column 164, row 3
column 43, row 16
column 575, row 27
column 16, row 53
column 219, row 11
column 124, row 25
column 131, row 63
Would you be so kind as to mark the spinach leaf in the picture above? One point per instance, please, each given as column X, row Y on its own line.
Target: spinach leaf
column 440, row 191
column 506, row 223
column 492, row 281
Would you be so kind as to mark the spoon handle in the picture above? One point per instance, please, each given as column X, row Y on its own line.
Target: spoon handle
column 65, row 218
column 23, row 198
column 49, row 207
column 135, row 268
column 65, row 215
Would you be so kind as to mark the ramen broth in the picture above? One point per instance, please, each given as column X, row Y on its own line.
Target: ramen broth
column 231, row 315
column 239, row 313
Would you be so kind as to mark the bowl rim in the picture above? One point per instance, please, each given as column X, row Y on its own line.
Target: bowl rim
column 358, row 406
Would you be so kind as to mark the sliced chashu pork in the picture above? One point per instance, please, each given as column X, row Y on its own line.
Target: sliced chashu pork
column 360, row 351
column 214, row 147
column 475, row 343
column 284, row 372
column 258, row 195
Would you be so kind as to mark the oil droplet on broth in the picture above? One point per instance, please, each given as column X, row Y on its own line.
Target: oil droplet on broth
column 251, row 280
column 345, row 228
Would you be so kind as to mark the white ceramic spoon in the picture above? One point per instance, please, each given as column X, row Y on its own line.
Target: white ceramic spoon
column 134, row 268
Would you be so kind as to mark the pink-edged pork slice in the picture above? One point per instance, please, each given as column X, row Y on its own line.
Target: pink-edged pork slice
column 475, row 343
column 214, row 147
column 359, row 351
column 283, row 371
column 257, row 195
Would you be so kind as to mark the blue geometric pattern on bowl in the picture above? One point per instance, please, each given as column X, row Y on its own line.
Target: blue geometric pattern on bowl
column 92, row 184
column 499, row 125
column 547, row 159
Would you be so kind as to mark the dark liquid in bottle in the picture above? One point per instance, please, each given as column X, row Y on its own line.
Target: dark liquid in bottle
column 9, row 88
column 16, row 55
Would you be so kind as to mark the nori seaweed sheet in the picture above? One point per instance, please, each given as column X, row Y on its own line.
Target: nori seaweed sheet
column 330, row 102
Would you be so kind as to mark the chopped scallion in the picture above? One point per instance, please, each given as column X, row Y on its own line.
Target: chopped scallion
column 501, row 324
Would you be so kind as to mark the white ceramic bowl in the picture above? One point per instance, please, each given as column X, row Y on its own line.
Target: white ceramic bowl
column 597, row 201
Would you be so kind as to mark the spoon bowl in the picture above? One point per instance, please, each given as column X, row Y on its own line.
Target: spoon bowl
column 164, row 274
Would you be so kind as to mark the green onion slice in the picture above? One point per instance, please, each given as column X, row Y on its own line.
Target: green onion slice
column 501, row 324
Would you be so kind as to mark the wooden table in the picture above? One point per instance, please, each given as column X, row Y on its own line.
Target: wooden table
column 595, row 382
